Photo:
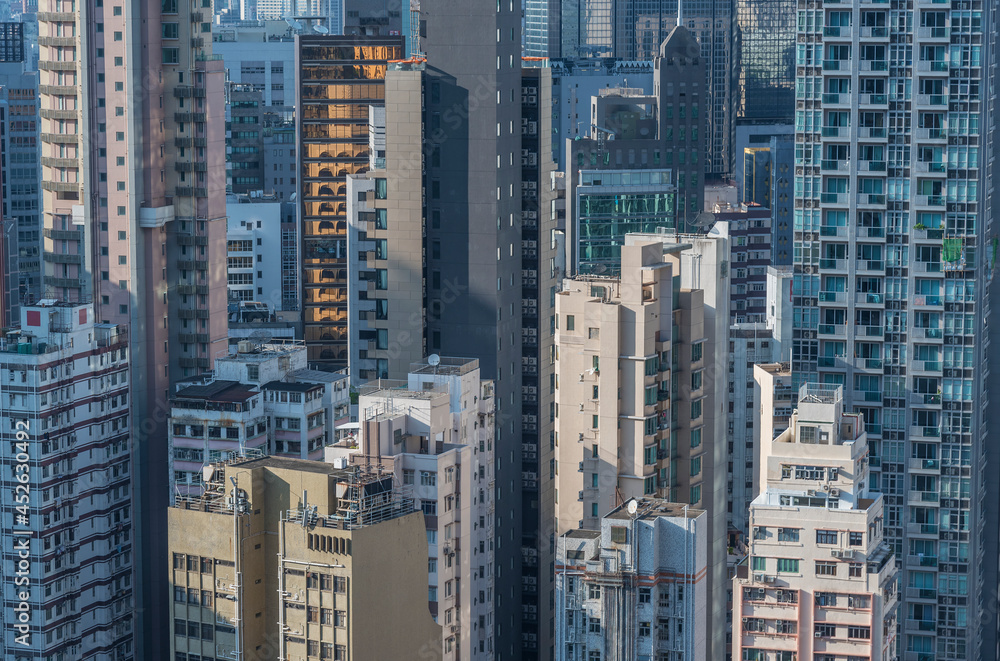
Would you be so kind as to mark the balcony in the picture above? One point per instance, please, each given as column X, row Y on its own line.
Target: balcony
column 922, row 593
column 835, row 166
column 930, row 134
column 833, row 231
column 833, row 297
column 874, row 32
column 838, row 265
column 872, row 132
column 842, row 31
column 927, row 267
column 925, row 366
column 868, row 331
column 872, row 396
column 932, row 66
column 870, row 265
column 831, row 361
column 933, row 33
column 926, row 333
column 934, row 168
column 868, row 363
column 924, row 464
column 875, row 65
column 925, row 399
column 924, row 498
column 873, row 99
column 54, row 65
column 871, row 199
column 929, row 200
column 57, row 16
column 72, row 283
column 932, row 100
column 62, row 235
column 835, row 131
column 921, row 625
column 62, row 186
column 57, row 258
column 49, row 113
column 868, row 298
column 834, row 65
column 832, row 330
column 836, row 99
column 871, row 232
column 927, row 301
column 833, row 198
column 871, row 166
column 61, row 138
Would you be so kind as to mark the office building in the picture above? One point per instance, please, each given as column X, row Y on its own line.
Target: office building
column 434, row 432
column 782, row 148
column 634, row 30
column 766, row 60
column 473, row 237
column 22, row 228
column 631, row 133
column 673, row 446
column 575, row 81
column 69, row 532
column 285, row 558
column 256, row 271
column 634, row 587
column 820, row 579
column 133, row 198
column 893, row 222
column 337, row 79
column 542, row 268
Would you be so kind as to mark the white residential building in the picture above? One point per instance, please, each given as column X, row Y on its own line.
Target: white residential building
column 635, row 588
column 820, row 581
column 253, row 238
column 67, row 517
column 435, row 432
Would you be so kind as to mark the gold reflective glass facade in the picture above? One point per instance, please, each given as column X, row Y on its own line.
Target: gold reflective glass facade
column 338, row 79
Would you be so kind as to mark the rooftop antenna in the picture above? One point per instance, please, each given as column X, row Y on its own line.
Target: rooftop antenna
column 680, row 12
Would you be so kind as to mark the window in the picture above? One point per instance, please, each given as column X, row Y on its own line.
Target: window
column 696, row 351
column 428, row 478
column 645, row 595
column 408, row 476
column 570, row 322
column 824, row 630
column 644, row 629
column 619, row 535
column 788, row 566
column 429, row 507
column 759, row 564
column 170, row 56
column 696, row 409
column 826, row 536
column 381, row 189
column 824, row 568
column 788, row 534
column 696, row 438
column 856, row 539
column 594, row 625
column 854, row 570
column 593, row 592
column 862, row 633
column 695, row 466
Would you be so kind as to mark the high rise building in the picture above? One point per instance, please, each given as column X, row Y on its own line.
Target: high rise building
column 673, row 445
column 634, row 30
column 338, row 78
column 894, row 212
column 21, row 174
column 69, row 531
column 766, row 59
column 634, row 587
column 820, row 579
column 286, row 558
column 133, row 154
column 473, row 237
column 434, row 433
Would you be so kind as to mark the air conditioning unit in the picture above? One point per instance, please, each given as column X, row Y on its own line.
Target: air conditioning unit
column 819, row 635
column 759, row 578
column 826, row 487
column 835, row 493
column 769, row 579
column 811, row 492
column 745, row 620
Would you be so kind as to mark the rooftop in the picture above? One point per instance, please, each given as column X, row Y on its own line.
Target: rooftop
column 819, row 393
column 319, row 375
column 652, row 508
column 217, row 391
column 582, row 534
column 446, row 365
column 301, row 465
column 290, row 386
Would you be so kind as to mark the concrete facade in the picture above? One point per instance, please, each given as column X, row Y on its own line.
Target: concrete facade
column 69, row 530
column 635, row 587
column 302, row 563
column 820, row 578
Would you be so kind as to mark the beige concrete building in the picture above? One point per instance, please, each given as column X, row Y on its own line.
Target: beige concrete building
column 435, row 433
column 775, row 397
column 295, row 560
column 385, row 212
column 820, row 580
column 639, row 408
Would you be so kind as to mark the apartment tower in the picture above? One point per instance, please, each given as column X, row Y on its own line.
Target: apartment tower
column 133, row 195
column 69, row 535
column 819, row 581
column 894, row 257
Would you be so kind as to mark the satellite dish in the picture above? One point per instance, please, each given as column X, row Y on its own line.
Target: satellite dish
column 632, row 507
column 703, row 219
column 320, row 29
column 600, row 269
column 433, row 360
column 290, row 22
column 261, row 336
